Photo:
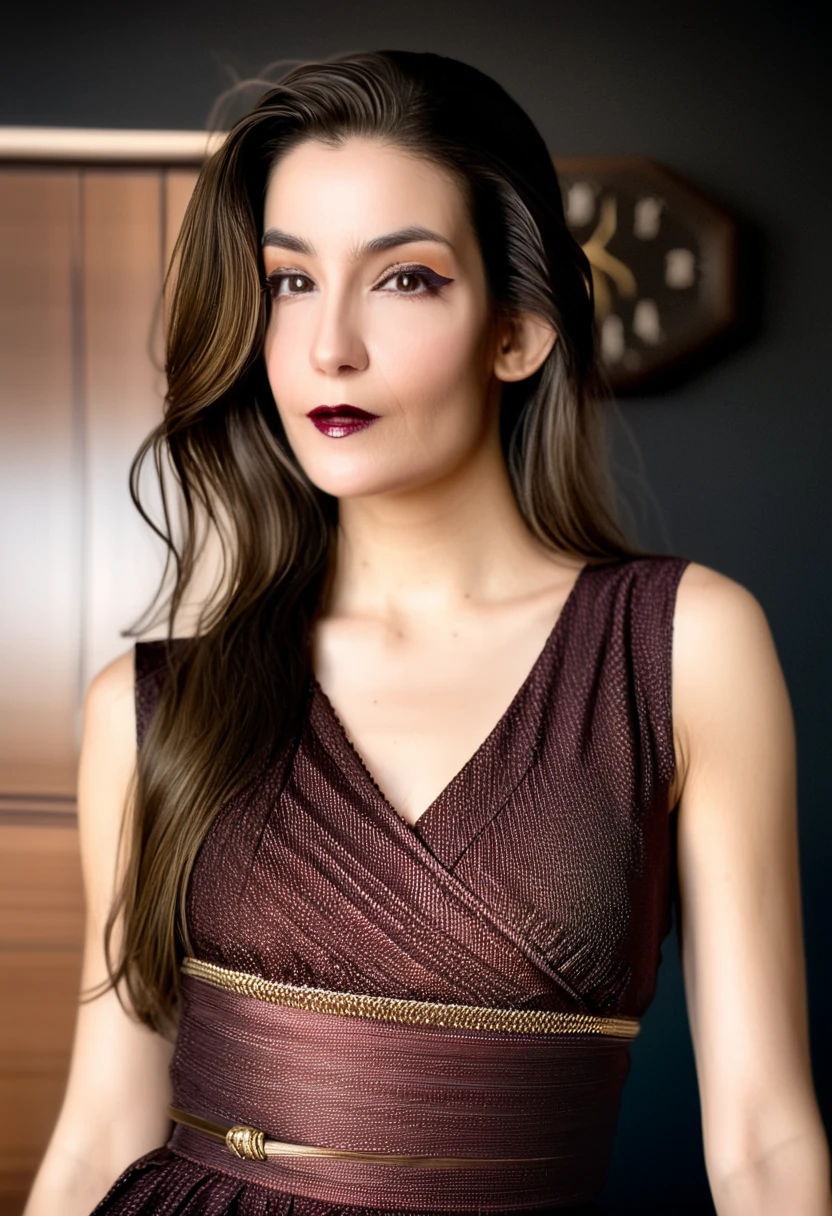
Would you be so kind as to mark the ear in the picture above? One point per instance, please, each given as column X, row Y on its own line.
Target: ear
column 522, row 343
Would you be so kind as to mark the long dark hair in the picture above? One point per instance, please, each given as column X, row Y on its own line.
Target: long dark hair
column 235, row 692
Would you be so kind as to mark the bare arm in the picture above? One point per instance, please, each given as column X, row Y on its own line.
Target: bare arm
column 114, row 1105
column 742, row 946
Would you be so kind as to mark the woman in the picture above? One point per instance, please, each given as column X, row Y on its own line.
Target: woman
column 398, row 864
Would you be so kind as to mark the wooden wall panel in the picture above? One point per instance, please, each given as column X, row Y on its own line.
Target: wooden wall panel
column 40, row 482
column 41, row 931
column 81, row 260
column 123, row 243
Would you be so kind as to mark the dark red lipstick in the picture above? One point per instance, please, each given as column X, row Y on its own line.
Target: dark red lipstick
column 340, row 420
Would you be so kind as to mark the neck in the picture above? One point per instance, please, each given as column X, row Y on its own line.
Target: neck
column 437, row 549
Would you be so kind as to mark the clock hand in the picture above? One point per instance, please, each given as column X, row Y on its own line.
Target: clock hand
column 603, row 263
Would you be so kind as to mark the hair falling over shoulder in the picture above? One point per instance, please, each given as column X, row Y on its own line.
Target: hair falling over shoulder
column 235, row 692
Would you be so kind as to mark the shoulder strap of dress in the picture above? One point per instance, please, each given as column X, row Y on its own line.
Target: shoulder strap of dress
column 630, row 616
column 151, row 669
column 653, row 604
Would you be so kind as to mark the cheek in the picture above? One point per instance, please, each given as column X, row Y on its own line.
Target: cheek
column 437, row 400
column 427, row 356
column 424, row 333
column 285, row 358
column 434, row 371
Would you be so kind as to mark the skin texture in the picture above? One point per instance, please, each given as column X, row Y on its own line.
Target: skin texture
column 440, row 604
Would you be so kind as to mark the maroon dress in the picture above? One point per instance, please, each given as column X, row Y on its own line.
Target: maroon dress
column 540, row 877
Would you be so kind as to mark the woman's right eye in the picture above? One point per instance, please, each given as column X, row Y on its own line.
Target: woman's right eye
column 275, row 280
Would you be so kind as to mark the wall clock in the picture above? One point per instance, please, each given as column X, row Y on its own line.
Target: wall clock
column 663, row 259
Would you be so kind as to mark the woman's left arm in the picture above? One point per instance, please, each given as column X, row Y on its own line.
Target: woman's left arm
column 742, row 941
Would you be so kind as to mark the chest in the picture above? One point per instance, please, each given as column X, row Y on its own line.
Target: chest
column 544, row 855
column 417, row 706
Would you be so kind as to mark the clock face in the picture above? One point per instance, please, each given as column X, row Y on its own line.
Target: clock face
column 663, row 265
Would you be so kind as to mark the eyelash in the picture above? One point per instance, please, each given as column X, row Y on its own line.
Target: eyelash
column 433, row 282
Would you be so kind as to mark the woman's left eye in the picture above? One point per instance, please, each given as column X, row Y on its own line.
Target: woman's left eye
column 415, row 274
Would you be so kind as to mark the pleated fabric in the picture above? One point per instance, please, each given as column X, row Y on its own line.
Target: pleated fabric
column 541, row 877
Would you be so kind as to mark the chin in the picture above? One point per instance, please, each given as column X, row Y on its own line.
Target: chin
column 359, row 467
column 356, row 478
column 345, row 485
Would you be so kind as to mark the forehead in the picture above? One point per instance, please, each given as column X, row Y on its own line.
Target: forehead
column 359, row 185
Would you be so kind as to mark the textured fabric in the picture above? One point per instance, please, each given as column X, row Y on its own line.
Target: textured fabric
column 540, row 878
column 362, row 1083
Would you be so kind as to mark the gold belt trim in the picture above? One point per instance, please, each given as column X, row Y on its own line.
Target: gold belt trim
column 252, row 1145
column 411, row 1013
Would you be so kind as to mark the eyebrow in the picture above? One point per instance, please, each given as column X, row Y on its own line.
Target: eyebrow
column 390, row 240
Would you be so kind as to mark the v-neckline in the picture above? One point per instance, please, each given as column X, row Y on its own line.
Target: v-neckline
column 349, row 749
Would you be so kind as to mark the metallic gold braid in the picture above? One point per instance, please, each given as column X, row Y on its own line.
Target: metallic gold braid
column 413, row 1013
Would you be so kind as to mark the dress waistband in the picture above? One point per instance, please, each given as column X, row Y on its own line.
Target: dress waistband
column 326, row 1095
column 408, row 1012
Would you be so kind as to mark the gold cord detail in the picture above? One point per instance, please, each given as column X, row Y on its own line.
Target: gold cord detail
column 249, row 1144
column 246, row 1142
column 412, row 1013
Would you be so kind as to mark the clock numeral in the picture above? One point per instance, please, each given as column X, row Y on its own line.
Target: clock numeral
column 580, row 204
column 612, row 338
column 647, row 323
column 679, row 269
column 647, row 218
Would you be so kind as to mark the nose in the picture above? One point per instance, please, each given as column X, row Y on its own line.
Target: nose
column 337, row 344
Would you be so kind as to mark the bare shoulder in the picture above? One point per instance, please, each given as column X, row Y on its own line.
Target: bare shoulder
column 108, row 740
column 719, row 631
column 726, row 672
column 110, row 714
column 712, row 610
column 111, row 689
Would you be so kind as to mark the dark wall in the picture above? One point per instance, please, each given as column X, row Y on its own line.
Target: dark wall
column 734, row 462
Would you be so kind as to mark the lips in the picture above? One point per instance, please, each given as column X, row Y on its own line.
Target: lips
column 337, row 421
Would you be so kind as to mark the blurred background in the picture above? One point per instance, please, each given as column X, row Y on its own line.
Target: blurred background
column 727, row 464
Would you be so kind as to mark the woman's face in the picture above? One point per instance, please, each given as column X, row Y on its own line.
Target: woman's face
column 400, row 331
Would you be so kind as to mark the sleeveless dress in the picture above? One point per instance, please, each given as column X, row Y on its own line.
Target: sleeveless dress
column 541, row 877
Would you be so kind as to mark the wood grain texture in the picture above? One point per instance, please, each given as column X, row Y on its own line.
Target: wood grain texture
column 122, row 282
column 40, row 480
column 81, row 263
column 41, row 933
